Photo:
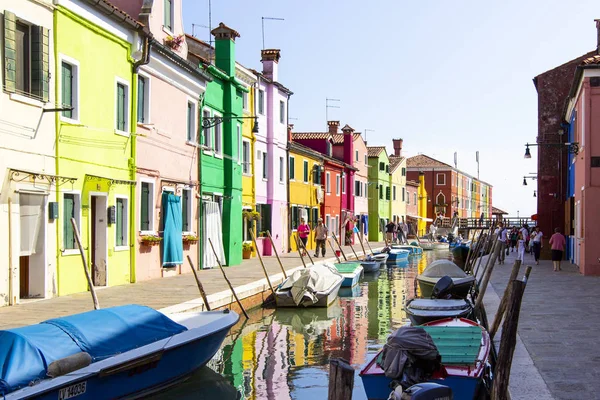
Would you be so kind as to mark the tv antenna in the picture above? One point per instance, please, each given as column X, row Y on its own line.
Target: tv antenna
column 327, row 107
column 368, row 130
column 263, row 27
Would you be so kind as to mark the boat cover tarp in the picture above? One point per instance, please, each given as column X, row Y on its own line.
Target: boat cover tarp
column 347, row 267
column 26, row 353
column 409, row 356
column 304, row 284
column 441, row 268
column 458, row 345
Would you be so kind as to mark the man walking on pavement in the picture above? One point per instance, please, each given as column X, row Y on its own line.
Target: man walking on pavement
column 320, row 237
column 501, row 243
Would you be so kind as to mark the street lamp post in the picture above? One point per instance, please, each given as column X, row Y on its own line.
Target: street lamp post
column 573, row 147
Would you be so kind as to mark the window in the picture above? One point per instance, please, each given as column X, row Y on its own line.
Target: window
column 415, row 198
column 186, row 210
column 281, row 169
column 356, row 155
column 328, row 222
column 366, row 160
column 440, row 179
column 71, row 207
column 281, row 112
column 246, row 157
column 382, row 166
column 69, row 86
column 407, row 197
column 317, row 175
column 394, row 193
column 218, row 140
column 403, row 171
column 26, row 58
column 292, row 168
column 337, row 185
column 440, row 199
column 206, row 132
column 381, row 192
column 295, row 217
column 143, row 99
column 264, row 223
column 327, row 183
column 315, row 215
column 245, row 101
column 261, row 102
column 122, row 222
column 147, row 207
column 403, row 194
column 387, row 168
column 357, row 187
column 265, row 166
column 387, row 192
column 122, row 117
column 343, row 184
column 329, row 148
column 191, row 112
column 168, row 15
column 305, row 170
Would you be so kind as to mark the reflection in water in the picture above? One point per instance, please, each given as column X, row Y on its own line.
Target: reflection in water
column 284, row 354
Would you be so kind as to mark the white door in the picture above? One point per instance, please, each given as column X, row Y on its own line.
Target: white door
column 578, row 237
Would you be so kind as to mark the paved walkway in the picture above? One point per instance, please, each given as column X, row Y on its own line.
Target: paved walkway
column 559, row 326
column 155, row 293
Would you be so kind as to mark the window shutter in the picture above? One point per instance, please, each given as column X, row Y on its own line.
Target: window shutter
column 40, row 62
column 67, row 89
column 120, row 107
column 184, row 211
column 140, row 100
column 10, row 51
column 305, row 172
column 144, row 212
column 292, row 168
column 119, row 222
column 69, row 237
column 387, row 192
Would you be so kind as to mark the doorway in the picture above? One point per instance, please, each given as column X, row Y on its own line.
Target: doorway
column 99, row 243
column 32, row 256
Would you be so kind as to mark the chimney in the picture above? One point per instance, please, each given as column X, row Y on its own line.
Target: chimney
column 225, row 48
column 597, row 36
column 333, row 126
column 290, row 129
column 348, row 145
column 270, row 61
column 397, row 147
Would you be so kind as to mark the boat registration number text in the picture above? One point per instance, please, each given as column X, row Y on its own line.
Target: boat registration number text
column 72, row 391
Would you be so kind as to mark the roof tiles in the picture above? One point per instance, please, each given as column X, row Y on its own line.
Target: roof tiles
column 424, row 161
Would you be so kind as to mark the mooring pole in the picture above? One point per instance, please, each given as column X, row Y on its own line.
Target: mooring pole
column 85, row 268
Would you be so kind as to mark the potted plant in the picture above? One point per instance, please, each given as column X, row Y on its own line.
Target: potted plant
column 262, row 234
column 190, row 239
column 174, row 42
column 251, row 215
column 246, row 250
column 150, row 240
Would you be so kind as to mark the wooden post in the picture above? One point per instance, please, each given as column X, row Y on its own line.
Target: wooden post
column 508, row 342
column 369, row 246
column 382, row 228
column 300, row 252
column 227, row 280
column 471, row 250
column 360, row 238
column 332, row 249
column 299, row 243
column 341, row 380
column 276, row 254
column 262, row 264
column 85, row 268
column 200, row 287
column 339, row 245
column 355, row 255
column 504, row 301
column 487, row 274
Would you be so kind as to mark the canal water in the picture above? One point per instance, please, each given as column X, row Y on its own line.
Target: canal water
column 281, row 354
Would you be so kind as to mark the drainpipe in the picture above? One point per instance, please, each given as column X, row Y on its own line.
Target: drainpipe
column 200, row 148
column 145, row 59
column 287, row 161
column 10, row 258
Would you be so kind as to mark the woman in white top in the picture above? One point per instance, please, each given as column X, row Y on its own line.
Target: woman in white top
column 537, row 244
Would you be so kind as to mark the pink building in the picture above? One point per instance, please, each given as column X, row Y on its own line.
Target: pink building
column 412, row 208
column 583, row 115
column 167, row 112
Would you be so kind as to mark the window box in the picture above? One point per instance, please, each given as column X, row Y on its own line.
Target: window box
column 150, row 240
column 174, row 42
column 190, row 239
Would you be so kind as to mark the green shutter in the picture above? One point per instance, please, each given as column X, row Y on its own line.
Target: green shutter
column 10, row 51
column 189, row 122
column 292, row 167
column 144, row 211
column 141, row 95
column 184, row 211
column 67, row 89
column 40, row 62
column 305, row 172
column 120, row 107
column 69, row 212
column 119, row 217
column 168, row 14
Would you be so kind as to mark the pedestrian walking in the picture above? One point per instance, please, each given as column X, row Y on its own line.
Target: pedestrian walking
column 303, row 232
column 501, row 242
column 520, row 247
column 525, row 232
column 320, row 237
column 557, row 243
column 537, row 244
column 514, row 237
column 390, row 229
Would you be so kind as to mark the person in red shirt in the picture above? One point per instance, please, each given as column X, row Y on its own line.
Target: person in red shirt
column 303, row 232
column 557, row 241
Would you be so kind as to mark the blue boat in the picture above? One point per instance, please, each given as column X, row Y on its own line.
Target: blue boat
column 414, row 250
column 398, row 255
column 464, row 347
column 351, row 271
column 109, row 353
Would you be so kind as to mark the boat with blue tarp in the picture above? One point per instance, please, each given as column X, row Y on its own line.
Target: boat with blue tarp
column 351, row 271
column 108, row 353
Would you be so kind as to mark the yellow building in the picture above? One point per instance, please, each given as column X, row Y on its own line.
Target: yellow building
column 247, row 146
column 398, row 188
column 422, row 206
column 305, row 194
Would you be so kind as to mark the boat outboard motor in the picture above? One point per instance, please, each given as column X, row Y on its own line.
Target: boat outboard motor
column 443, row 288
column 426, row 391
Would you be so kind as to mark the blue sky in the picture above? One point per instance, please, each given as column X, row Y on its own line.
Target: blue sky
column 445, row 76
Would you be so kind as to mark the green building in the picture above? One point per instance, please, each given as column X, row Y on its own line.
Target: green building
column 379, row 191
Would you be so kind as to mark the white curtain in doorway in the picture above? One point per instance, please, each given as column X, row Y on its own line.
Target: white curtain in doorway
column 213, row 231
column 30, row 208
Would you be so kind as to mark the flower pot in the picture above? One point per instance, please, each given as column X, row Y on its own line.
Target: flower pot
column 190, row 241
column 246, row 254
column 150, row 243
